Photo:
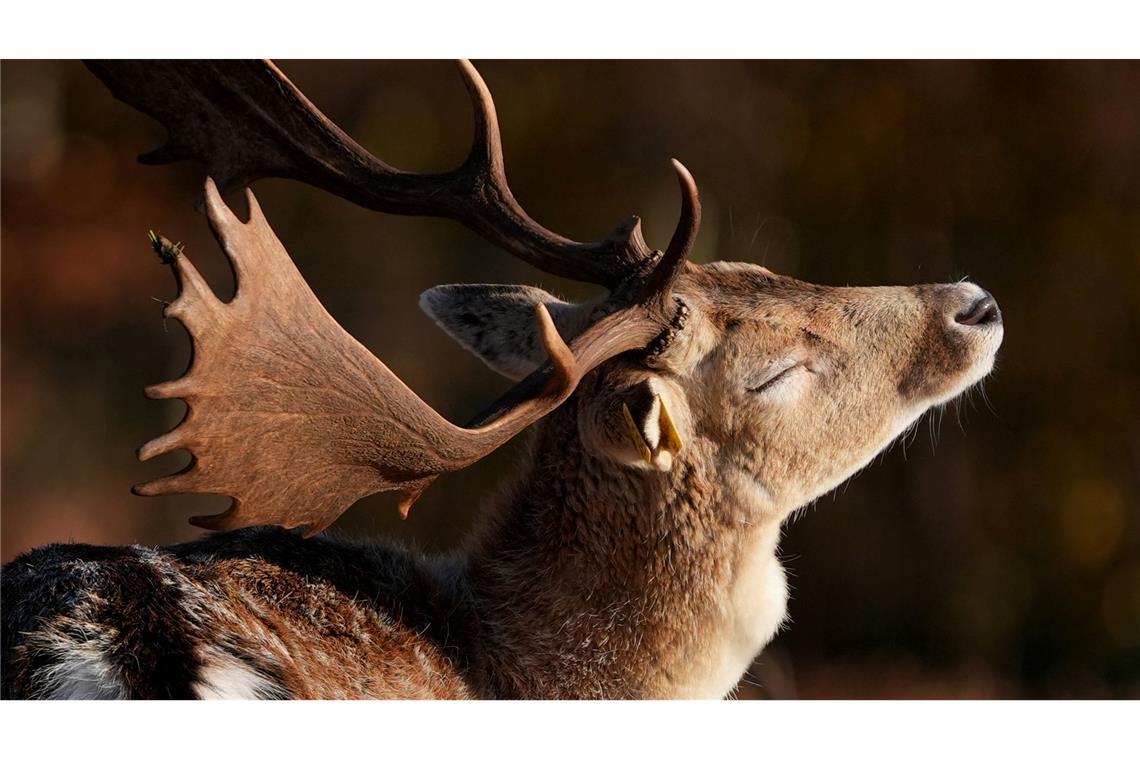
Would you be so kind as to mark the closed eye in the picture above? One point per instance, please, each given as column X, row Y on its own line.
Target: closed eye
column 773, row 379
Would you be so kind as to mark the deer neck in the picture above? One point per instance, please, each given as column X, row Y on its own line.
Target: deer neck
column 593, row 580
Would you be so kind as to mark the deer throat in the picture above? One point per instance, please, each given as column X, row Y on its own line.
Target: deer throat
column 756, row 605
column 633, row 585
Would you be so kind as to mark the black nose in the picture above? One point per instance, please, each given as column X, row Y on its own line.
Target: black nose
column 984, row 311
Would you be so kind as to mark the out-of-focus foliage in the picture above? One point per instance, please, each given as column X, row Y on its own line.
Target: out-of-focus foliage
column 997, row 553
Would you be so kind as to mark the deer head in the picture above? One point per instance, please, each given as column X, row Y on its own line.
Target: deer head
column 796, row 385
column 799, row 384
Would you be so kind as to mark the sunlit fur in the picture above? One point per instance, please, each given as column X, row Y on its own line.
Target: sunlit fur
column 666, row 584
column 594, row 573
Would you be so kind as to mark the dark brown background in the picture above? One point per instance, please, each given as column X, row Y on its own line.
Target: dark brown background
column 998, row 554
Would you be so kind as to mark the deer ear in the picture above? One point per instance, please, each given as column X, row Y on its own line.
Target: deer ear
column 637, row 425
column 496, row 322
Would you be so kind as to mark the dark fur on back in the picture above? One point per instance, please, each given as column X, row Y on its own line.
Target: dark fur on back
column 159, row 619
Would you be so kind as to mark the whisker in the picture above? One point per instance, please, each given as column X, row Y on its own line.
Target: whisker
column 986, row 398
column 759, row 223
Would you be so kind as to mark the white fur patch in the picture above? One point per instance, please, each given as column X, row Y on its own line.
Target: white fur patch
column 231, row 680
column 82, row 674
column 756, row 606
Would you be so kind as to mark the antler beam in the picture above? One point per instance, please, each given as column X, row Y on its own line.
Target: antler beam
column 244, row 120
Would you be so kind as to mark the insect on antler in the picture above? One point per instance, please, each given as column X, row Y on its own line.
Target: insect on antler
column 287, row 413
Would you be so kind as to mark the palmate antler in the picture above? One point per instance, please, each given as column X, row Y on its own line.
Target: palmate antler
column 287, row 413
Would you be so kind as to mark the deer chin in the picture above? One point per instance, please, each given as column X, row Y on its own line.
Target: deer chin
column 984, row 347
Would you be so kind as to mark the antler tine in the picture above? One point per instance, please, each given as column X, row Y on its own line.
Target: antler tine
column 231, row 232
column 187, row 480
column 660, row 283
column 487, row 144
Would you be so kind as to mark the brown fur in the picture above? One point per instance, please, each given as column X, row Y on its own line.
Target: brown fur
column 274, row 614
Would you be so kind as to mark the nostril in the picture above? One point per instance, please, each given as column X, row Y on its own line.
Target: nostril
column 984, row 311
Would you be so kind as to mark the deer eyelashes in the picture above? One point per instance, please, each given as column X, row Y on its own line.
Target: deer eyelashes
column 773, row 378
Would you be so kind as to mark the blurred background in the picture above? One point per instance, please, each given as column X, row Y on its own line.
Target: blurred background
column 997, row 554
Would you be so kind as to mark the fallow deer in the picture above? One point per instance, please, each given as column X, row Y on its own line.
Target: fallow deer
column 684, row 417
